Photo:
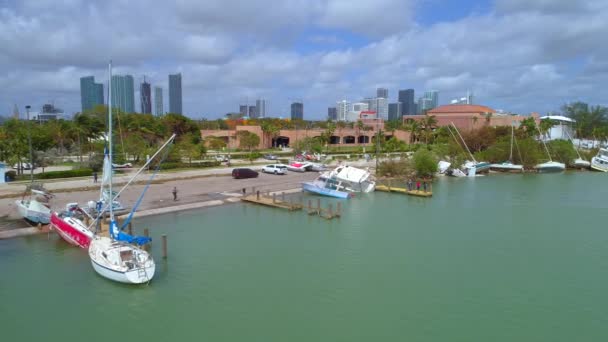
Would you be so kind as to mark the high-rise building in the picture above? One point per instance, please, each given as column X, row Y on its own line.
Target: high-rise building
column 408, row 106
column 123, row 93
column 424, row 104
column 297, row 111
column 394, row 111
column 433, row 96
column 91, row 93
column 145, row 95
column 243, row 110
column 382, row 92
column 175, row 93
column 252, row 112
column 342, row 109
column 260, row 106
column 158, row 101
column 378, row 105
column 332, row 114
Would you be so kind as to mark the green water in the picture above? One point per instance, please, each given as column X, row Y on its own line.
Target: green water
column 499, row 258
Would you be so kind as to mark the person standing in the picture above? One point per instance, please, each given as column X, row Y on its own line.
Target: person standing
column 174, row 192
column 424, row 186
column 418, row 185
column 95, row 177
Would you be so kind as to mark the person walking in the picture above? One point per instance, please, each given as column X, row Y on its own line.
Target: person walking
column 174, row 192
column 95, row 177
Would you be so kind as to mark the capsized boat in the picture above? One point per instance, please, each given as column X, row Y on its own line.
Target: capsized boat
column 299, row 167
column 443, row 166
column 317, row 167
column 352, row 179
column 455, row 173
column 70, row 227
column 326, row 187
column 600, row 161
column 35, row 208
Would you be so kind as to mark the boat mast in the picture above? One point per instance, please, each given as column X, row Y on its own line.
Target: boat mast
column 464, row 143
column 110, row 146
column 511, row 154
column 544, row 144
column 29, row 140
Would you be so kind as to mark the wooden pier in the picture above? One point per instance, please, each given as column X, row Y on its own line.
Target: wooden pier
column 418, row 193
column 328, row 214
column 269, row 201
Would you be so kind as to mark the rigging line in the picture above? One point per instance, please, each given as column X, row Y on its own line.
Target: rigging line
column 141, row 197
column 122, row 142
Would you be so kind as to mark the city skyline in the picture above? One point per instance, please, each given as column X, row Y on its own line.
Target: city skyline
column 541, row 54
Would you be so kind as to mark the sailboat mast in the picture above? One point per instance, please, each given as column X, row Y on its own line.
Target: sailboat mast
column 110, row 142
column 464, row 143
column 542, row 139
column 511, row 154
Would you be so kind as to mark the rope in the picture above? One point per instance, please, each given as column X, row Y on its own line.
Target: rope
column 141, row 197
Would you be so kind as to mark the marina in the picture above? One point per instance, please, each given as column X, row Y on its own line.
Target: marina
column 239, row 271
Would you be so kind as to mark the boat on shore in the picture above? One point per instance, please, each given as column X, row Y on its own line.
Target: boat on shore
column 70, row 227
column 299, row 167
column 600, row 161
column 35, row 208
column 550, row 166
column 508, row 166
column 326, row 187
column 341, row 182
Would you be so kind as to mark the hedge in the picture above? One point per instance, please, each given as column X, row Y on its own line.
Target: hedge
column 64, row 174
column 177, row 165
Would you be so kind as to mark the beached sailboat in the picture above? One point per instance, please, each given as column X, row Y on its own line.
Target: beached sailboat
column 70, row 227
column 508, row 165
column 579, row 162
column 470, row 168
column 119, row 257
column 550, row 166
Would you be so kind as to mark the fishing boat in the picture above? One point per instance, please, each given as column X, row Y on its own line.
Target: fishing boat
column 352, row 179
column 70, row 227
column 326, row 187
column 35, row 208
column 600, row 161
column 550, row 166
column 508, row 166
column 119, row 257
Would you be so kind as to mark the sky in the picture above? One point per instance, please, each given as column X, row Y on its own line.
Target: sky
column 520, row 56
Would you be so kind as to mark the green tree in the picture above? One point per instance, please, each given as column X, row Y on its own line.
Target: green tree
column 425, row 163
column 248, row 140
column 587, row 117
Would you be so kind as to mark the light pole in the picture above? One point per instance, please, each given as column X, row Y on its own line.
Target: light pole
column 377, row 142
column 29, row 140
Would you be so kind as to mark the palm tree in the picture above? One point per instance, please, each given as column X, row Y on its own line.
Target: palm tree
column 429, row 122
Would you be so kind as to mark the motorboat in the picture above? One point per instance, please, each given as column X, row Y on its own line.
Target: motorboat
column 581, row 163
column 327, row 187
column 318, row 167
column 299, row 167
column 443, row 166
column 352, row 179
column 35, row 208
column 455, row 172
column 70, row 226
column 600, row 161
column 101, row 206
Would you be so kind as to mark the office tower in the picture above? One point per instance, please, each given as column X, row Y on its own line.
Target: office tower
column 158, row 101
column 342, row 109
column 252, row 112
column 424, row 104
column 260, row 106
column 175, row 93
column 394, row 111
column 408, row 106
column 332, row 114
column 297, row 111
column 382, row 92
column 91, row 93
column 145, row 96
column 123, row 93
column 378, row 105
column 433, row 97
column 243, row 110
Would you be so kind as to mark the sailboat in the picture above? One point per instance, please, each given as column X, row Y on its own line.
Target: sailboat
column 508, row 165
column 550, row 166
column 579, row 162
column 35, row 208
column 471, row 168
column 119, row 257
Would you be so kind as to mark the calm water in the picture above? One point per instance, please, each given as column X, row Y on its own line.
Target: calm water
column 499, row 258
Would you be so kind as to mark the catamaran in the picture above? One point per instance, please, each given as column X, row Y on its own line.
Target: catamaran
column 119, row 257
column 508, row 166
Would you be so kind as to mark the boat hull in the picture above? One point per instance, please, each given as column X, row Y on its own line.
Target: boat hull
column 507, row 167
column 33, row 211
column 138, row 274
column 311, row 187
column 599, row 164
column 72, row 230
column 550, row 167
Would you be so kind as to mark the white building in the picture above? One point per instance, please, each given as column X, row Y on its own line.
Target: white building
column 378, row 105
column 342, row 109
column 562, row 128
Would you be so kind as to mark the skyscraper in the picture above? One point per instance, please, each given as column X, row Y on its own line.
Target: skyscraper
column 243, row 110
column 252, row 112
column 175, row 93
column 145, row 95
column 91, row 93
column 332, row 114
column 158, row 101
column 408, row 106
column 378, row 105
column 123, row 93
column 342, row 109
column 394, row 111
column 382, row 92
column 433, row 97
column 260, row 106
column 297, row 111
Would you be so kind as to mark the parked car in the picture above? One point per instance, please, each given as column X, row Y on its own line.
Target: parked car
column 221, row 158
column 244, row 173
column 277, row 169
column 270, row 157
column 24, row 166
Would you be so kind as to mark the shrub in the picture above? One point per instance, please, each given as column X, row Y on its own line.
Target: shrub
column 425, row 163
column 394, row 168
column 64, row 174
column 284, row 161
column 10, row 175
column 196, row 165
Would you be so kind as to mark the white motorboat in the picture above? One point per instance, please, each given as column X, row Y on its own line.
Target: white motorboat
column 35, row 208
column 581, row 163
column 455, row 173
column 600, row 161
column 351, row 179
column 317, row 167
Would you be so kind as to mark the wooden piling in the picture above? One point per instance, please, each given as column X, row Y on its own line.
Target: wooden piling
column 330, row 211
column 318, row 204
column 283, row 196
column 309, row 205
column 339, row 209
column 147, row 234
column 130, row 228
column 257, row 195
column 274, row 197
column 164, row 240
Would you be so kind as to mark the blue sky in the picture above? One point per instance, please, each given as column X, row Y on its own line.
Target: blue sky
column 515, row 55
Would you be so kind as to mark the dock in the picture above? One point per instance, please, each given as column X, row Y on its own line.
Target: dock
column 417, row 193
column 269, row 201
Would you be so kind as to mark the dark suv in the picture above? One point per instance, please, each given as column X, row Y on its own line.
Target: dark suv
column 244, row 173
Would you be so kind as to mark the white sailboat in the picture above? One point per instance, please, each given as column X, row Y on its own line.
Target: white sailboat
column 508, row 165
column 471, row 168
column 579, row 162
column 117, row 257
column 550, row 166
